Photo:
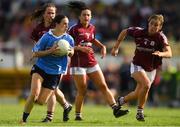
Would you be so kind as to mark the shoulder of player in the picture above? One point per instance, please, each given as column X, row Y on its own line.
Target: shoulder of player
column 91, row 25
column 40, row 25
column 68, row 36
column 73, row 26
column 162, row 36
column 137, row 31
column 47, row 35
column 136, row 28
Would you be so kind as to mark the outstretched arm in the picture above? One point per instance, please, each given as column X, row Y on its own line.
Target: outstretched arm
column 100, row 45
column 166, row 53
column 116, row 46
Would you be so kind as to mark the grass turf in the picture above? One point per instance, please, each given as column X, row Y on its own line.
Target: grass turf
column 93, row 115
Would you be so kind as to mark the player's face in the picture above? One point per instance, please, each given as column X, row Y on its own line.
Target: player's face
column 85, row 17
column 63, row 25
column 49, row 14
column 154, row 26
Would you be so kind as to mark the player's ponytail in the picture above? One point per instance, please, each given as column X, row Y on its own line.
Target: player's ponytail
column 77, row 6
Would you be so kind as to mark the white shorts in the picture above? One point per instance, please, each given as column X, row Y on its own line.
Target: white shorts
column 84, row 70
column 151, row 75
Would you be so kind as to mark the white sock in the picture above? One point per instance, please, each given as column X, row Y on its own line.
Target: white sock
column 140, row 110
column 78, row 114
column 66, row 105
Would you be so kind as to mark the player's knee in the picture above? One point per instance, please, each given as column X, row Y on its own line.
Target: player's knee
column 34, row 96
column 82, row 92
column 40, row 102
column 136, row 93
column 146, row 87
column 146, row 84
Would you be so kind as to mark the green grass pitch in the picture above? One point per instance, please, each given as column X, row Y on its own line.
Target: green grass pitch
column 94, row 115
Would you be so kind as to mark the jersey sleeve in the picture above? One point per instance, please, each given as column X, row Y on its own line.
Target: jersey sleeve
column 131, row 31
column 71, row 41
column 94, row 34
column 164, row 39
column 41, row 44
column 71, row 31
column 34, row 36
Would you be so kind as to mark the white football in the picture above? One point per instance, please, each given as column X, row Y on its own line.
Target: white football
column 63, row 47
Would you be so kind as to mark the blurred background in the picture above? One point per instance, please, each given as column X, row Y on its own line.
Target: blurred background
column 109, row 17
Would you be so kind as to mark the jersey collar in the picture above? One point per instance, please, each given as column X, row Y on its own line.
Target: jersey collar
column 51, row 33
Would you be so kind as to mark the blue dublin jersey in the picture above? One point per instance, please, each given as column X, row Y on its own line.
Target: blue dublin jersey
column 52, row 64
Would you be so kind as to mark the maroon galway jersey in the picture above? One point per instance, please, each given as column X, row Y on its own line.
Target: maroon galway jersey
column 145, row 46
column 39, row 30
column 83, row 37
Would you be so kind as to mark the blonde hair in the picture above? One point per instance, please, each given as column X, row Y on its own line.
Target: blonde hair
column 157, row 17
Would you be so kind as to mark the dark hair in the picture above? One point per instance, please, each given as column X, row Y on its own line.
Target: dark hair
column 77, row 6
column 40, row 11
column 58, row 18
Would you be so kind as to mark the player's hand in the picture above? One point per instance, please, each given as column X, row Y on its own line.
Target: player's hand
column 103, row 52
column 71, row 52
column 86, row 49
column 54, row 48
column 114, row 51
column 157, row 53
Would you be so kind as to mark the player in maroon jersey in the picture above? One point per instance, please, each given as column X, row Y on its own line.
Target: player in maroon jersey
column 151, row 46
column 83, row 63
column 46, row 14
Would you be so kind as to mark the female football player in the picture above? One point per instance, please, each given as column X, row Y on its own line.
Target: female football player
column 151, row 46
column 46, row 14
column 48, row 68
column 83, row 62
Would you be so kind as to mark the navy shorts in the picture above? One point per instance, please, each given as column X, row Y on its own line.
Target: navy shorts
column 50, row 81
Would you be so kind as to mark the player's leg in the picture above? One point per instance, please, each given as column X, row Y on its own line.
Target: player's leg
column 98, row 78
column 145, row 85
column 99, row 81
column 51, row 104
column 44, row 95
column 48, row 90
column 63, row 102
column 34, row 93
column 81, row 85
column 131, row 96
column 59, row 96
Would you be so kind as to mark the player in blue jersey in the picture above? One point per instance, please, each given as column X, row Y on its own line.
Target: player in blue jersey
column 44, row 17
column 48, row 68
